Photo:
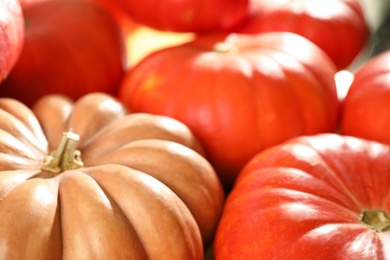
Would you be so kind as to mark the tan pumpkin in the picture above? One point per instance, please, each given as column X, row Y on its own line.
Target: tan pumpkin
column 89, row 180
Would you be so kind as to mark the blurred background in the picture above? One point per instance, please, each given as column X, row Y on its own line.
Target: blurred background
column 377, row 11
column 378, row 17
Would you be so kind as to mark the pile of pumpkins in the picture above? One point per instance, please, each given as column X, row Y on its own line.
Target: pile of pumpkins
column 235, row 142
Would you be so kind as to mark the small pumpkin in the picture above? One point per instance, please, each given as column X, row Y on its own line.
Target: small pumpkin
column 11, row 35
column 239, row 94
column 115, row 185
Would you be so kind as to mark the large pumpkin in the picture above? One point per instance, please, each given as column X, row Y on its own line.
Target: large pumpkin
column 113, row 186
column 72, row 47
column 186, row 15
column 315, row 197
column 366, row 107
column 339, row 27
column 11, row 35
column 239, row 94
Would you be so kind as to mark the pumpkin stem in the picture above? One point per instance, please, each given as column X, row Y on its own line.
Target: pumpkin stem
column 66, row 156
column 377, row 220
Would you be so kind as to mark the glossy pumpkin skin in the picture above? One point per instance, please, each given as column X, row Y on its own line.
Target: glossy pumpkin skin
column 186, row 15
column 252, row 93
column 366, row 107
column 338, row 27
column 11, row 35
column 71, row 47
column 136, row 197
column 306, row 199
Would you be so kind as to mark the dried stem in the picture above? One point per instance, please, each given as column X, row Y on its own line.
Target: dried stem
column 66, row 156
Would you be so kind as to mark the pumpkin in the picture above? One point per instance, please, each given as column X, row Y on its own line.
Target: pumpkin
column 11, row 35
column 187, row 15
column 239, row 94
column 339, row 27
column 366, row 107
column 312, row 197
column 87, row 179
column 71, row 47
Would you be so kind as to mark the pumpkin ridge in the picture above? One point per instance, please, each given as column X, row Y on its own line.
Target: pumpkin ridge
column 25, row 115
column 158, row 188
column 112, row 201
column 174, row 169
column 9, row 144
column 19, row 130
column 27, row 174
column 337, row 173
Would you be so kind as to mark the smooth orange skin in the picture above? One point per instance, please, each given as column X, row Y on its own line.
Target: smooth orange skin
column 303, row 200
column 260, row 93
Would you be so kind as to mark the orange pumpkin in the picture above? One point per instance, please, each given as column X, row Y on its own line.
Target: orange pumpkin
column 114, row 185
column 239, row 94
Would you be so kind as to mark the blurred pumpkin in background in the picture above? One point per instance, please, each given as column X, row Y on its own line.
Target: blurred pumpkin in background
column 127, row 24
column 186, row 15
column 339, row 27
column 71, row 47
column 11, row 35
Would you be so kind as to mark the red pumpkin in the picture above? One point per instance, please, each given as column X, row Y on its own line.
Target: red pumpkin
column 11, row 35
column 186, row 15
column 115, row 185
column 71, row 47
column 366, row 107
column 239, row 94
column 314, row 197
column 339, row 27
